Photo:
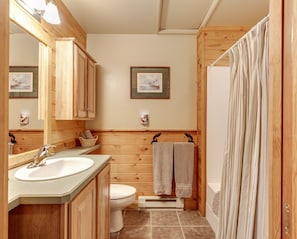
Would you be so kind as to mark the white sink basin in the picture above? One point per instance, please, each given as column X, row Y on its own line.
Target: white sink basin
column 54, row 168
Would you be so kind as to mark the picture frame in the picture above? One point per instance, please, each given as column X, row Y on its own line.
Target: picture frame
column 149, row 82
column 23, row 82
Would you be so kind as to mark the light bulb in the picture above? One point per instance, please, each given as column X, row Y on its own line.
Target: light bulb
column 51, row 14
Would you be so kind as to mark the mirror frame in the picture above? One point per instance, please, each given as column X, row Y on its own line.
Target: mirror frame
column 47, row 42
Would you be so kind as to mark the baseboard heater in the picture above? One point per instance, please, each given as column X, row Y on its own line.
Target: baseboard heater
column 157, row 202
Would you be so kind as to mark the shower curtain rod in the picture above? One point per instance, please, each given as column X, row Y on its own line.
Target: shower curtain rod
column 265, row 19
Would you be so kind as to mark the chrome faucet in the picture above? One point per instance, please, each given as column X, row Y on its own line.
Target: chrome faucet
column 41, row 156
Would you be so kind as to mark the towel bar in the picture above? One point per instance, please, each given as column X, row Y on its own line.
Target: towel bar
column 190, row 138
column 155, row 138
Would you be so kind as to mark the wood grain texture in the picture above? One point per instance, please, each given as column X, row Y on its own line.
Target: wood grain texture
column 275, row 123
column 65, row 83
column 75, row 75
column 63, row 133
column 4, row 66
column 82, row 213
column 131, row 162
column 211, row 43
column 27, row 140
column 69, row 27
column 289, row 149
column 103, row 203
column 43, row 79
column 35, row 221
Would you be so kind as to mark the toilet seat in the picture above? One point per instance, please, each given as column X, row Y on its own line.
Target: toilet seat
column 120, row 191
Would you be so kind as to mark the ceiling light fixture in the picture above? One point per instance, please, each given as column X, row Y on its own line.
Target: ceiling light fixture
column 39, row 8
column 51, row 14
column 38, row 5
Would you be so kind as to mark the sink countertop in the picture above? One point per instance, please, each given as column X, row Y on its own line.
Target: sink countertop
column 56, row 191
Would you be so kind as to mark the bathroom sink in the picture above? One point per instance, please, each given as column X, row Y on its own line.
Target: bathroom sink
column 54, row 168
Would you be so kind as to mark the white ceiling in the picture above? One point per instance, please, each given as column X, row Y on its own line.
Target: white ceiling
column 164, row 16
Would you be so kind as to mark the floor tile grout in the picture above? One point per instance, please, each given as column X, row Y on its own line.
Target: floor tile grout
column 180, row 224
column 147, row 224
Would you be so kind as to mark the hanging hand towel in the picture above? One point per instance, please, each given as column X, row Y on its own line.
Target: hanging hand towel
column 183, row 169
column 162, row 167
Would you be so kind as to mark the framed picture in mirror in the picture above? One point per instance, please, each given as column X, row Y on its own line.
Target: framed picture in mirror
column 23, row 82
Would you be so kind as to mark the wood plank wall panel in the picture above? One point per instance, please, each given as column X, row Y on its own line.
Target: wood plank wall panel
column 275, row 115
column 27, row 140
column 132, row 158
column 289, row 120
column 69, row 27
column 64, row 133
column 4, row 68
column 211, row 43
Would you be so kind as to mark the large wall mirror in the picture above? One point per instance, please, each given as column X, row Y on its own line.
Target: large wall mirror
column 24, row 124
column 30, row 47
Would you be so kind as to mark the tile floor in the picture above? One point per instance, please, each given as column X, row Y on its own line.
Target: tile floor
column 143, row 224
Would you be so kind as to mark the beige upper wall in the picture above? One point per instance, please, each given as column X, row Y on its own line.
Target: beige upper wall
column 116, row 53
column 23, row 51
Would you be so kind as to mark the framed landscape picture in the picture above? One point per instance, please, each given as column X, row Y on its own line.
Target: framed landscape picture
column 23, row 82
column 150, row 82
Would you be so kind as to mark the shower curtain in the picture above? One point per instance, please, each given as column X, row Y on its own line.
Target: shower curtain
column 243, row 198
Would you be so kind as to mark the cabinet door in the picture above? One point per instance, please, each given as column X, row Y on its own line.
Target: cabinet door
column 80, row 83
column 91, row 89
column 36, row 221
column 82, row 220
column 103, row 207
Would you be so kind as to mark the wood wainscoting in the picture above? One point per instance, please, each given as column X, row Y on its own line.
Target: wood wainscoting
column 131, row 162
column 27, row 140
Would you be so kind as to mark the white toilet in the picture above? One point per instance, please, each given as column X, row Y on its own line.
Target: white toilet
column 121, row 196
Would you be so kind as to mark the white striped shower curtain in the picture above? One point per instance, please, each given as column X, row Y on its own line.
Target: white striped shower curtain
column 243, row 199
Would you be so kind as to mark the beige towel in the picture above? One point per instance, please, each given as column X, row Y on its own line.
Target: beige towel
column 163, row 167
column 183, row 169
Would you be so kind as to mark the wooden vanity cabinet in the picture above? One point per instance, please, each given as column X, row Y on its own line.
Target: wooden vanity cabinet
column 75, row 82
column 36, row 221
column 90, row 210
column 82, row 213
column 84, row 217
column 103, row 204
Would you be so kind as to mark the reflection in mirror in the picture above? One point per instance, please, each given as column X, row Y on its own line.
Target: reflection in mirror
column 24, row 124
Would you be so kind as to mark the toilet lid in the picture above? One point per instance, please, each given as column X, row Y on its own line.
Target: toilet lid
column 118, row 191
